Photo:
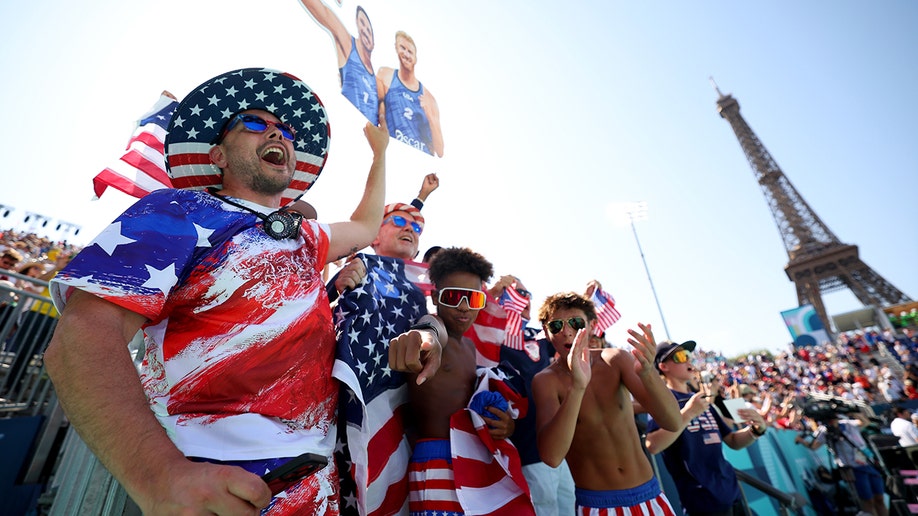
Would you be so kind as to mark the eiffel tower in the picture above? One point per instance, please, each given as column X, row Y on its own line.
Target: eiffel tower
column 818, row 262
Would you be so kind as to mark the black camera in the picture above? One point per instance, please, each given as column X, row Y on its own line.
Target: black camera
column 824, row 410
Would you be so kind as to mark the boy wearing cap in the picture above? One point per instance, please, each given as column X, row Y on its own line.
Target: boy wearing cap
column 438, row 404
column 584, row 411
column 706, row 482
column 225, row 283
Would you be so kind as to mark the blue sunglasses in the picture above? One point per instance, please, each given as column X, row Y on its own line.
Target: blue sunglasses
column 400, row 222
column 257, row 124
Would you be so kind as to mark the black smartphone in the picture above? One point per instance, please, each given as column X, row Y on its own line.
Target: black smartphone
column 290, row 473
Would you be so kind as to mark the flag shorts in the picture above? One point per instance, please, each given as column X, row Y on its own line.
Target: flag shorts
column 431, row 485
column 646, row 498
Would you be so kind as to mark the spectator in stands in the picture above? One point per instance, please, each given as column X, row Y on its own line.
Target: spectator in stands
column 398, row 237
column 706, row 482
column 584, row 414
column 910, row 391
column 9, row 261
column 890, row 386
column 847, row 445
column 238, row 332
column 903, row 427
column 35, row 325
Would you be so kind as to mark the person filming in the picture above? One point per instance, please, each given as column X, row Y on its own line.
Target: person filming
column 846, row 445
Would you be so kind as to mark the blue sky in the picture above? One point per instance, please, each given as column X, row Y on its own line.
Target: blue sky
column 551, row 113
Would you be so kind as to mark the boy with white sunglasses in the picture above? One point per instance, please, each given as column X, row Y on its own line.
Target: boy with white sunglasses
column 457, row 426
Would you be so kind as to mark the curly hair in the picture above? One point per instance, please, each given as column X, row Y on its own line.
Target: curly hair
column 459, row 259
column 564, row 300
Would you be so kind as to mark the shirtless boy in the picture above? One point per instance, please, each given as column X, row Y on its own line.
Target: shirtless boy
column 584, row 411
column 457, row 275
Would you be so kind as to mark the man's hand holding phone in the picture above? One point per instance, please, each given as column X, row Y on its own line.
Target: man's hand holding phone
column 291, row 473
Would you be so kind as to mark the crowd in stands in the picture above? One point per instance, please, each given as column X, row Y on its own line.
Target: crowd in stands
column 27, row 260
column 862, row 368
column 26, row 249
column 904, row 319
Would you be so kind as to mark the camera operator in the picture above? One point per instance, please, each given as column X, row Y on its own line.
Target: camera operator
column 846, row 444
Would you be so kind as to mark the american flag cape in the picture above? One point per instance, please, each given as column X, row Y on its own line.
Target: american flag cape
column 371, row 432
column 488, row 333
column 606, row 314
column 418, row 274
column 142, row 168
column 513, row 303
column 488, row 473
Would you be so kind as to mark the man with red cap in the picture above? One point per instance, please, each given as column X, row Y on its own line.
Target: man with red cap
column 381, row 297
column 398, row 237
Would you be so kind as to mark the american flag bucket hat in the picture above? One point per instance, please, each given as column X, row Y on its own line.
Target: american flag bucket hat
column 201, row 116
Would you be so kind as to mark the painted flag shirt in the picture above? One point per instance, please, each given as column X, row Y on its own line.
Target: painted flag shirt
column 239, row 340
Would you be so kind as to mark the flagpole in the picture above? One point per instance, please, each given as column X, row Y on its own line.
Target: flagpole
column 640, row 209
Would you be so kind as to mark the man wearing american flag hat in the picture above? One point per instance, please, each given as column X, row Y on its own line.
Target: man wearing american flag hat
column 225, row 283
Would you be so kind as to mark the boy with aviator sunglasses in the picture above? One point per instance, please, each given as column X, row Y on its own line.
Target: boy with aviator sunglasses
column 438, row 402
column 584, row 410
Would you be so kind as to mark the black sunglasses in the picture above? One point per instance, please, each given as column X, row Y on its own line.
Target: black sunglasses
column 576, row 323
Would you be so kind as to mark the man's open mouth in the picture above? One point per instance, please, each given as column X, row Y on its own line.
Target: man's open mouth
column 275, row 156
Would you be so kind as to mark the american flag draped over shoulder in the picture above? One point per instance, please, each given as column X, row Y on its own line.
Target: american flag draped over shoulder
column 142, row 168
column 513, row 303
column 366, row 318
column 488, row 332
column 606, row 314
column 488, row 473
column 419, row 276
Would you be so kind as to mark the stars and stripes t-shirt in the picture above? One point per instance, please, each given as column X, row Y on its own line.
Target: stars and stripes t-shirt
column 239, row 340
column 374, row 446
column 142, row 168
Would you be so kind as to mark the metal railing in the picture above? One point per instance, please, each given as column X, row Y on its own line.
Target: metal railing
column 26, row 324
column 793, row 501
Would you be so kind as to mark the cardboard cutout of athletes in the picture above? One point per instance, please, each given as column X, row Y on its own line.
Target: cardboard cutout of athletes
column 396, row 95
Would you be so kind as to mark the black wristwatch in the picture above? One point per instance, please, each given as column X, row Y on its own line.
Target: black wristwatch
column 756, row 432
